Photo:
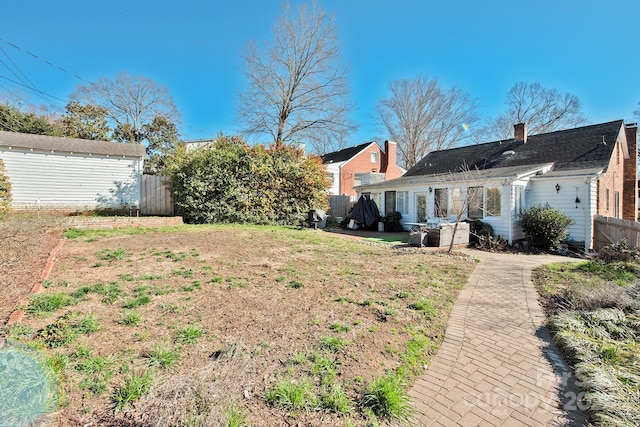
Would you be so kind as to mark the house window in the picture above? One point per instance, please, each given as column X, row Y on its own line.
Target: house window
column 377, row 198
column 456, row 201
column 421, row 207
column 616, row 204
column 494, row 201
column 402, row 202
column 357, row 179
column 475, row 200
column 389, row 202
column 606, row 199
column 374, row 157
column 329, row 176
column 519, row 200
column 441, row 202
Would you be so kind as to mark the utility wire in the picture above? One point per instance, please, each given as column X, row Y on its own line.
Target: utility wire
column 64, row 70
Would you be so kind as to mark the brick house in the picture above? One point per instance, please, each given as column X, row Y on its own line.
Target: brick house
column 582, row 172
column 360, row 165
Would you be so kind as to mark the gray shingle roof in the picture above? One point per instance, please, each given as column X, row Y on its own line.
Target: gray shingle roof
column 569, row 150
column 70, row 145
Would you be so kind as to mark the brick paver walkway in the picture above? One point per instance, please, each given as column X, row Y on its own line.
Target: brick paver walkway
column 498, row 365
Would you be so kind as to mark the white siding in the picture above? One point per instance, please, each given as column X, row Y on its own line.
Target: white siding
column 334, row 170
column 500, row 223
column 543, row 191
column 71, row 181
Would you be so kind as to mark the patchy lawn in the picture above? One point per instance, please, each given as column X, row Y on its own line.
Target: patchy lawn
column 594, row 313
column 243, row 325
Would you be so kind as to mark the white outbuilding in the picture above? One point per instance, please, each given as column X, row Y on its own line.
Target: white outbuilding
column 68, row 174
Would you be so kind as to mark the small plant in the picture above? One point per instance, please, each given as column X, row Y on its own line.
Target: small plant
column 426, row 306
column 18, row 331
column 136, row 302
column 545, row 227
column 402, row 295
column 236, row 416
column 81, row 351
column 335, row 399
column 111, row 254
column 134, row 387
column 189, row 334
column 94, row 365
column 333, row 344
column 162, row 356
column 131, row 318
column 50, row 302
column 87, row 325
column 111, row 292
column 58, row 333
column 386, row 398
column 337, row 327
column 292, row 395
column 294, row 284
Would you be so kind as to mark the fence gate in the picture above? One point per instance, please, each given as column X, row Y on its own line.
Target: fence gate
column 155, row 196
column 339, row 206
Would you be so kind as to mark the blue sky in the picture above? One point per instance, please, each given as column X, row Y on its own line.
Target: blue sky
column 588, row 48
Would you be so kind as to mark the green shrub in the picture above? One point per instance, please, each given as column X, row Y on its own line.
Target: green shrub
column 5, row 191
column 545, row 227
column 233, row 182
column 392, row 222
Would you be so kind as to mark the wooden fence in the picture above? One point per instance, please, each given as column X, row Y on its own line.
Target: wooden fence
column 339, row 206
column 610, row 230
column 155, row 196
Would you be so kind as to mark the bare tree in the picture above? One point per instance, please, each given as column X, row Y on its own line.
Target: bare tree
column 131, row 102
column 544, row 110
column 422, row 116
column 297, row 89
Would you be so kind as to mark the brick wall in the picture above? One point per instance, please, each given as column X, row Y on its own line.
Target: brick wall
column 610, row 183
column 360, row 163
column 90, row 222
column 630, row 205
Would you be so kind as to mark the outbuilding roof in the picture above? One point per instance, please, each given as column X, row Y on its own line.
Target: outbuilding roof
column 69, row 145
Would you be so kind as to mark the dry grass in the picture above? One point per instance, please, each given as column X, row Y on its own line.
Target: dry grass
column 232, row 283
column 595, row 317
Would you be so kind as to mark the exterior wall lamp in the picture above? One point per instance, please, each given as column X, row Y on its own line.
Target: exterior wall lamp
column 430, row 189
column 557, row 188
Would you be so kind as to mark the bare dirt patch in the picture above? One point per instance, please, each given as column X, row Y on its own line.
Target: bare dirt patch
column 26, row 242
column 272, row 304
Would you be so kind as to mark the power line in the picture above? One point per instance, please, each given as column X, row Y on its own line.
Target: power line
column 45, row 61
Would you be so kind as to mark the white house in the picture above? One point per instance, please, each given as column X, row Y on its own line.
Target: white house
column 69, row 174
column 582, row 172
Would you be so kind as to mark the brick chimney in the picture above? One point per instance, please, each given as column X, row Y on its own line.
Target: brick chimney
column 630, row 181
column 389, row 167
column 520, row 132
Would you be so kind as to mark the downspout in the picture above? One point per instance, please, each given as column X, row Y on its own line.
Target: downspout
column 511, row 207
column 588, row 216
